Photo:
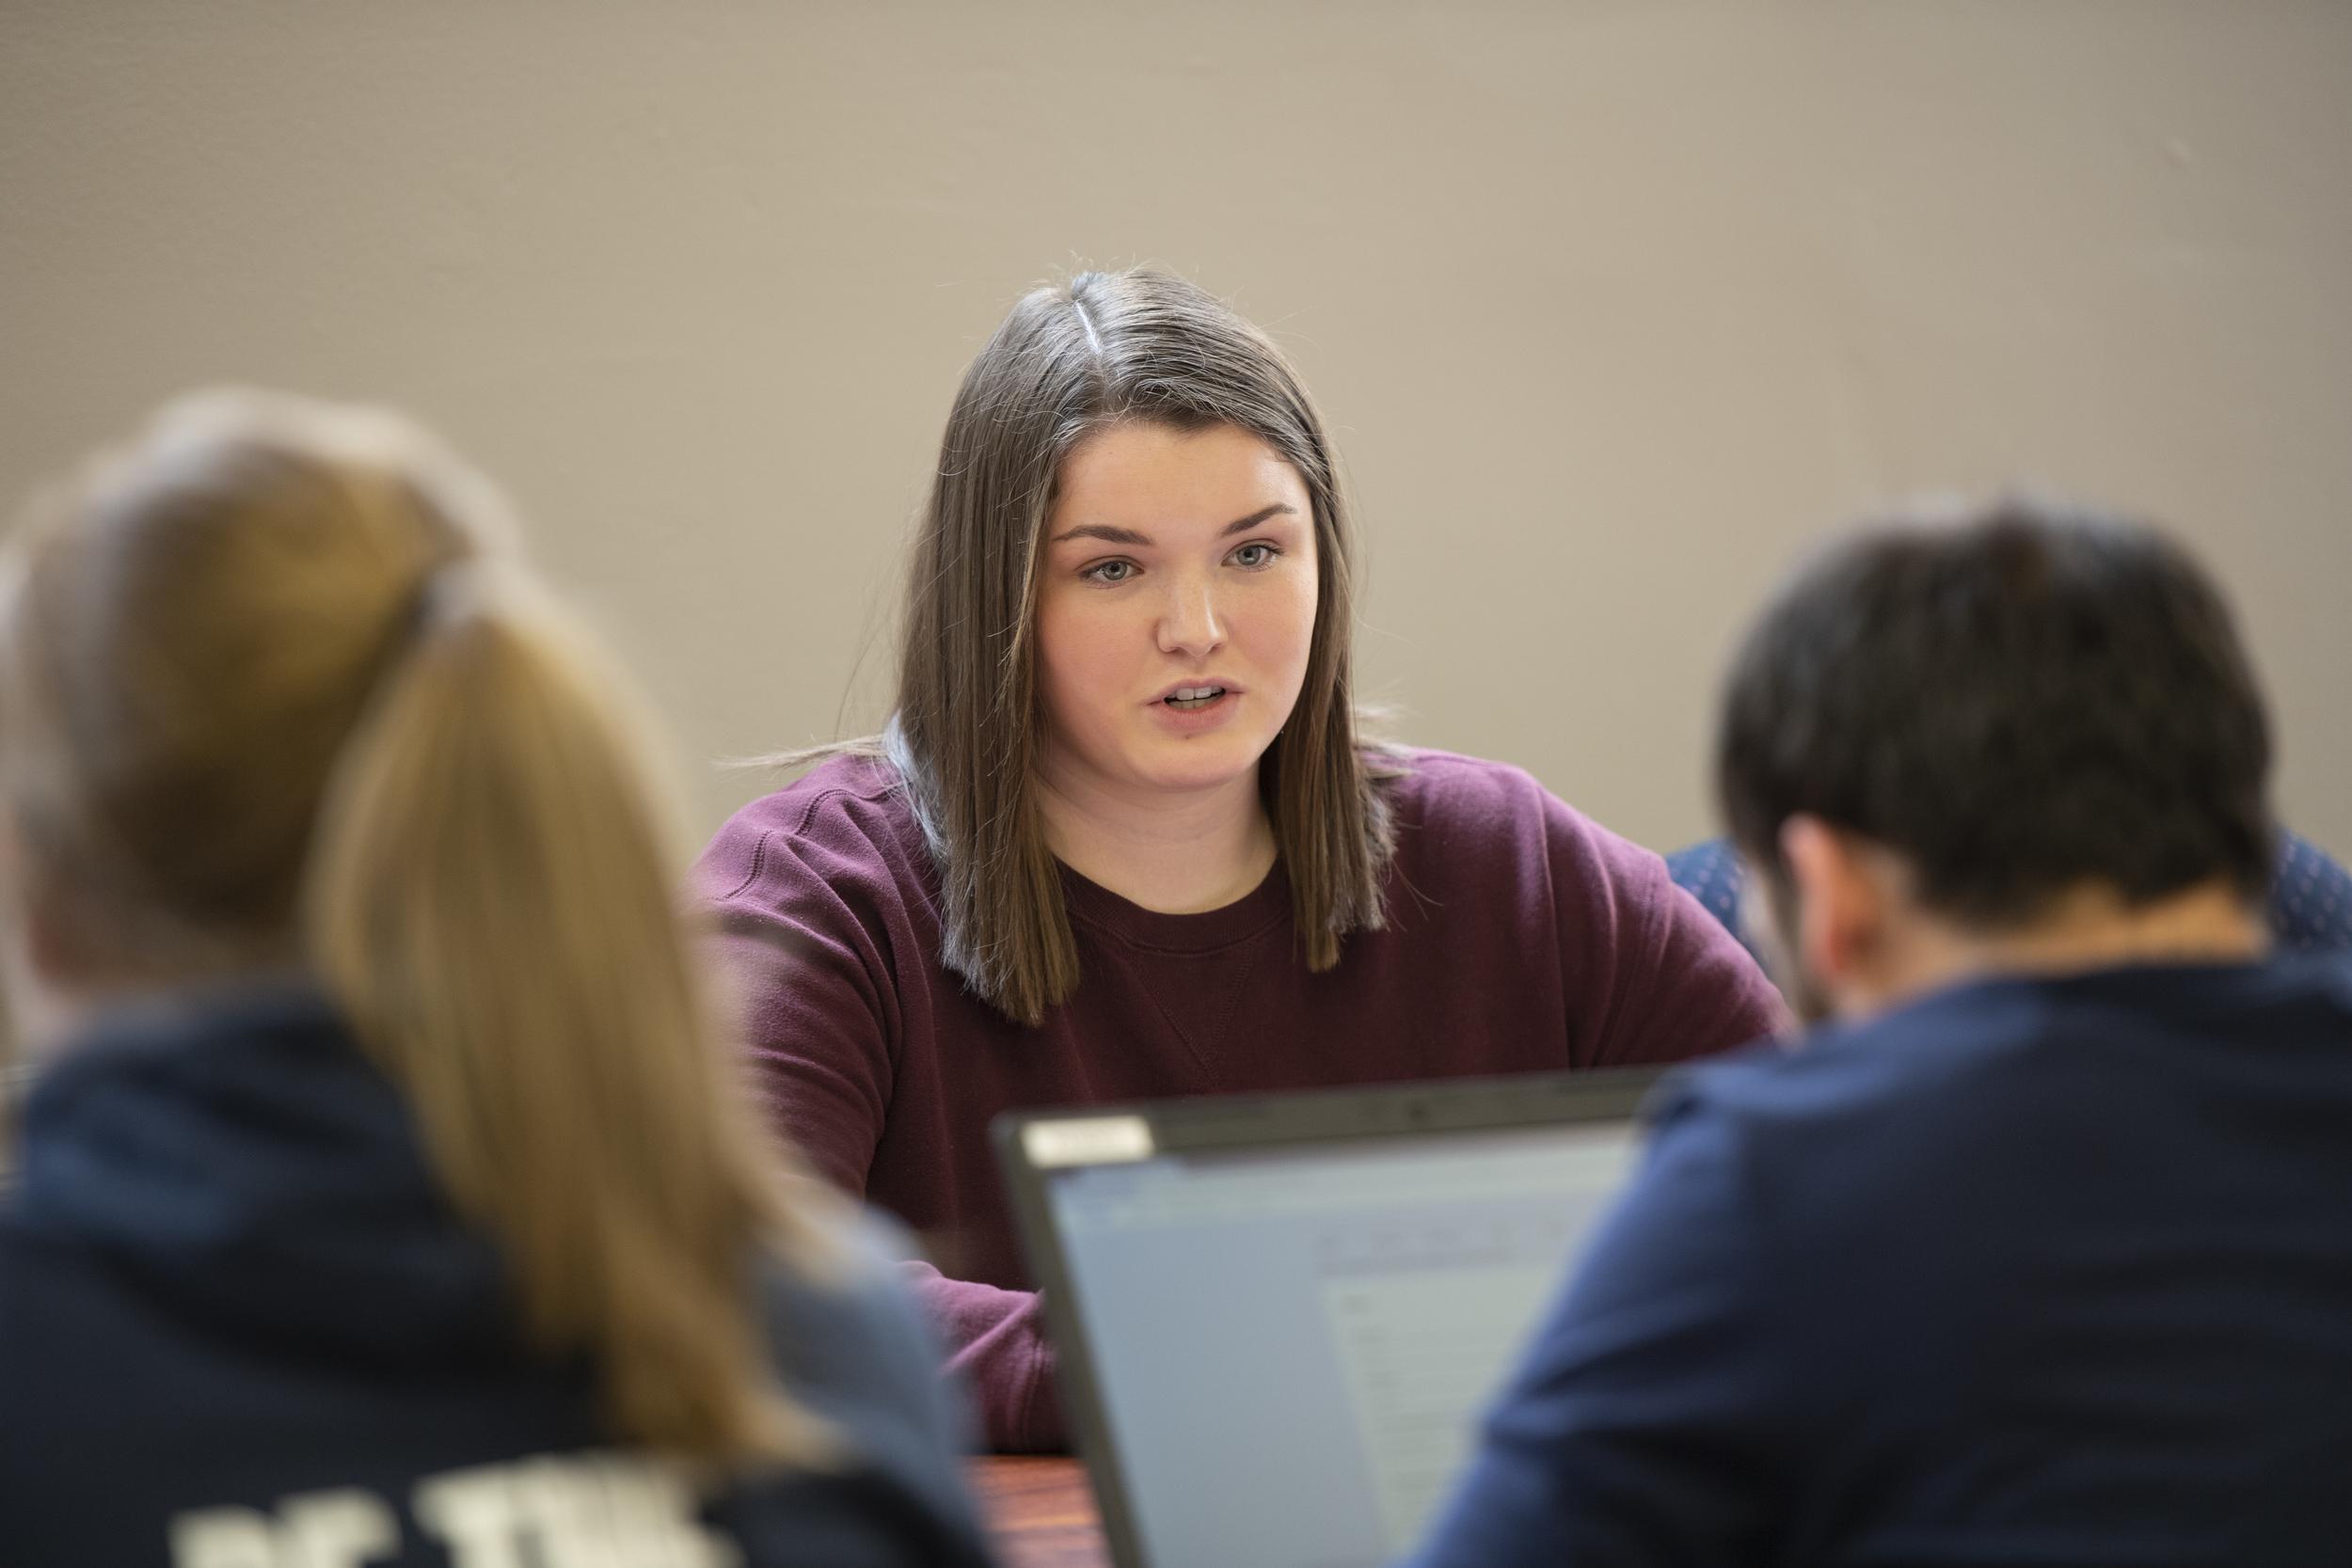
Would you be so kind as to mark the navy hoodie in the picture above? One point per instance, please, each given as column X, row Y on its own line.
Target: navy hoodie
column 241, row 1328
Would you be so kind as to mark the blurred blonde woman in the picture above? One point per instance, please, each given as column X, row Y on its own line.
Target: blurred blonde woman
column 383, row 1198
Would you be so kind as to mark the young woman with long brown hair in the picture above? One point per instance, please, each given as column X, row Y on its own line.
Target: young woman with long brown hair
column 384, row 1195
column 1124, row 837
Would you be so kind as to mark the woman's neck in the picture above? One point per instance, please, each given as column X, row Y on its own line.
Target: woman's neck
column 71, row 957
column 1174, row 854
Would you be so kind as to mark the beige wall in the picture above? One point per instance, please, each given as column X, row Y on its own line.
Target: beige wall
column 1613, row 304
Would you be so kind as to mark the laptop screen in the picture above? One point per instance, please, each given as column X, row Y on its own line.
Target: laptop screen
column 1292, row 1347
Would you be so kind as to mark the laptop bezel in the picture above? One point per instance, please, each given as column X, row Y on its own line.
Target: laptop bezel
column 1236, row 1123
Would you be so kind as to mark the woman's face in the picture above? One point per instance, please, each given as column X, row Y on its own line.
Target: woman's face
column 1176, row 608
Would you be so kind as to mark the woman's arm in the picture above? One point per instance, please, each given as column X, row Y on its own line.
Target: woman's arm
column 811, row 933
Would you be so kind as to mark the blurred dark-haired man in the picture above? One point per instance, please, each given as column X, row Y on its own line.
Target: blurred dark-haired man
column 2041, row 1250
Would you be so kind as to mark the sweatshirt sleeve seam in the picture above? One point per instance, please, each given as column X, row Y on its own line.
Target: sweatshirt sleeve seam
column 759, row 857
column 798, row 830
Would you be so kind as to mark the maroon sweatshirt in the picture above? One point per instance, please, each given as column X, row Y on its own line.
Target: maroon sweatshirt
column 1521, row 937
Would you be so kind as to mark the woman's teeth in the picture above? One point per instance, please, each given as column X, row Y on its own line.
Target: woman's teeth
column 1194, row 696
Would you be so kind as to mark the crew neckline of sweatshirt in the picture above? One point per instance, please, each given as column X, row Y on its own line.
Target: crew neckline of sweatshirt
column 1126, row 921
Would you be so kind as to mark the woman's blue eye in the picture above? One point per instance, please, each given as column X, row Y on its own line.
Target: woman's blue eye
column 1111, row 571
column 1254, row 556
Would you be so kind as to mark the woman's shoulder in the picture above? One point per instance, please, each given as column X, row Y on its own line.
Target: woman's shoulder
column 851, row 814
column 1426, row 787
column 852, row 1345
column 855, row 786
column 845, row 1332
column 1465, row 809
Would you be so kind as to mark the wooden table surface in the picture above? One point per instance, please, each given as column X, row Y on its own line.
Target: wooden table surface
column 1039, row 1511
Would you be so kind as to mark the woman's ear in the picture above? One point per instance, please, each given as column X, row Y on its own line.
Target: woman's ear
column 36, row 945
column 38, row 959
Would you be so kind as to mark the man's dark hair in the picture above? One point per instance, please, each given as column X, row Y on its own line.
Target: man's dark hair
column 2014, row 699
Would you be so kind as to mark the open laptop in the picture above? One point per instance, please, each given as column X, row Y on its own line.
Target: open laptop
column 1278, row 1318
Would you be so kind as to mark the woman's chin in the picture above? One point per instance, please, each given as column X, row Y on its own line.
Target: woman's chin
column 1199, row 770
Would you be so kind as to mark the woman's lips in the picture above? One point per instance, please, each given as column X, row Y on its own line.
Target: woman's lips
column 1185, row 693
column 1183, row 709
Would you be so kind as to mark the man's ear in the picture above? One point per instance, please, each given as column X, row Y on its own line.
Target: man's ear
column 1840, row 904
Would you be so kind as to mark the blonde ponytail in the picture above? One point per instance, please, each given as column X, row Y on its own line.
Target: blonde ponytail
column 490, row 900
column 417, row 777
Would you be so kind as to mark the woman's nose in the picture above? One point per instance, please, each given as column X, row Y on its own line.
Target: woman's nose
column 1189, row 624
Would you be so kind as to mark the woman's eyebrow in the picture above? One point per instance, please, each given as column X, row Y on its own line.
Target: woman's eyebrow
column 1107, row 535
column 1243, row 525
column 1133, row 540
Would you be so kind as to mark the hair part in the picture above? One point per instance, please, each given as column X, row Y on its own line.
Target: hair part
column 2017, row 699
column 274, row 687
